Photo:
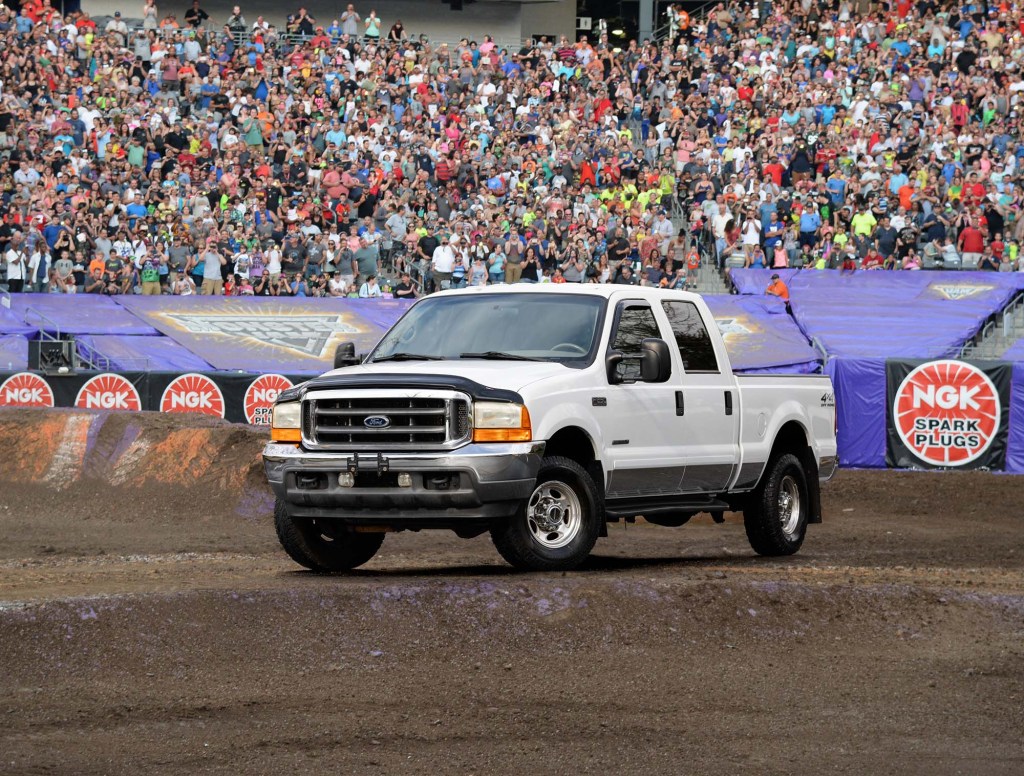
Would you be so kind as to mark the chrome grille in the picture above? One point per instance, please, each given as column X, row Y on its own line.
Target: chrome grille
column 382, row 420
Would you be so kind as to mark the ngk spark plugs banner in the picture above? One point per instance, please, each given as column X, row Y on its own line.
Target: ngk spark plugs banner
column 241, row 398
column 947, row 414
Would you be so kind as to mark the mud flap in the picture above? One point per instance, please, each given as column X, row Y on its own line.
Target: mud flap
column 813, row 485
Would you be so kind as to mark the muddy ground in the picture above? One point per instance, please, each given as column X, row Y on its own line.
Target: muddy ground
column 151, row 624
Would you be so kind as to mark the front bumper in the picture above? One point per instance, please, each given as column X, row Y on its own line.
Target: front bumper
column 477, row 481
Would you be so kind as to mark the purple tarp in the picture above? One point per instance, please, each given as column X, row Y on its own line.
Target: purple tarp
column 891, row 314
column 1015, row 352
column 13, row 352
column 761, row 336
column 13, row 324
column 78, row 314
column 292, row 336
column 1015, row 441
column 144, row 354
column 860, row 410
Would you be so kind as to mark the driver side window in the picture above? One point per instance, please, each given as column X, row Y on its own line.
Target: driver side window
column 636, row 323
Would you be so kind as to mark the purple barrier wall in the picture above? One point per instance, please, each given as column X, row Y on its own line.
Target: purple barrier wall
column 863, row 418
column 13, row 352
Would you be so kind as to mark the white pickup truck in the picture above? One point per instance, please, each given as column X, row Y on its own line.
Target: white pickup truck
column 540, row 413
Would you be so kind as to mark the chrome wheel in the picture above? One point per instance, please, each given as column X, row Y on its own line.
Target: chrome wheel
column 789, row 505
column 554, row 514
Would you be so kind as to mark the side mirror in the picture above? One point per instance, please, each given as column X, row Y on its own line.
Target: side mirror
column 611, row 365
column 655, row 361
column 345, row 355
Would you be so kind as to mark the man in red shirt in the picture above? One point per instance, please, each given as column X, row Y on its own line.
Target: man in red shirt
column 972, row 245
column 774, row 169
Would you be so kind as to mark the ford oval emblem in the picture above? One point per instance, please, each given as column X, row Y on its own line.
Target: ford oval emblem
column 377, row 421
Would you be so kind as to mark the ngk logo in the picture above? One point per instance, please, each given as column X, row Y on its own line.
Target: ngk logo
column 193, row 393
column 946, row 397
column 947, row 413
column 261, row 395
column 25, row 390
column 109, row 392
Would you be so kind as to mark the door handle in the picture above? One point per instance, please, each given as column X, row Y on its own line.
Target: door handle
column 728, row 402
column 680, row 403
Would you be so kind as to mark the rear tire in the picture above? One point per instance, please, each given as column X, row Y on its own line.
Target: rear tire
column 323, row 546
column 557, row 526
column 776, row 519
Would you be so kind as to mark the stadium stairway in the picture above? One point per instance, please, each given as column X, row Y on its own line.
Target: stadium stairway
column 999, row 334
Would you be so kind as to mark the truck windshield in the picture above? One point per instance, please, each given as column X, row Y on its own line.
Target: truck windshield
column 515, row 327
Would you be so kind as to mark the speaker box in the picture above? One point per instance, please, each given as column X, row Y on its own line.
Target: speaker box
column 49, row 356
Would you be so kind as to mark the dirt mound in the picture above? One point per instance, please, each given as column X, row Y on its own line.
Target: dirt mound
column 75, row 472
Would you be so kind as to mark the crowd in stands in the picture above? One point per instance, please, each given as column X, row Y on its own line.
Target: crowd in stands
column 352, row 157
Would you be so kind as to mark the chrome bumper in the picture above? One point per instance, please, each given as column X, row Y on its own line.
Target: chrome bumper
column 477, row 481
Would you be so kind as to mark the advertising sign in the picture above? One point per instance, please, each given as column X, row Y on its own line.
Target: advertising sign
column 947, row 414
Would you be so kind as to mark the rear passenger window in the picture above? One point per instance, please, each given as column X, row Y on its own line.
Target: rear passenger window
column 636, row 323
column 692, row 338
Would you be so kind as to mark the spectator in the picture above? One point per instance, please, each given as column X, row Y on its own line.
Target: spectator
column 350, row 21
column 370, row 289
column 195, row 16
column 181, row 285
column 371, row 27
column 971, row 244
column 777, row 287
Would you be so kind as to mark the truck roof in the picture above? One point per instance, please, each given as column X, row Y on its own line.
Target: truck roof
column 589, row 289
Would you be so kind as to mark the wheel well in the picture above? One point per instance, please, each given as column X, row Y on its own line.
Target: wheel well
column 575, row 443
column 790, row 439
column 572, row 442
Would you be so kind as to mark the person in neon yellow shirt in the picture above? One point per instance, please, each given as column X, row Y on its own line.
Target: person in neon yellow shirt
column 863, row 226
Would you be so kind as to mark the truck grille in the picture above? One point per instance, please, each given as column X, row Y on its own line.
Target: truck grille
column 384, row 420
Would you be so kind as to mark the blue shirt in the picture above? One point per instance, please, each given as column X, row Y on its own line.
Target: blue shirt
column 809, row 221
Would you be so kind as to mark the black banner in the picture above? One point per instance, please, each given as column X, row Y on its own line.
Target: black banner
column 238, row 397
column 947, row 414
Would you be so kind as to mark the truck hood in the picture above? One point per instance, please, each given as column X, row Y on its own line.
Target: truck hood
column 481, row 379
column 507, row 375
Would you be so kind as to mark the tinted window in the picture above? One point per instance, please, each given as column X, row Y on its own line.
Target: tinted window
column 636, row 323
column 692, row 339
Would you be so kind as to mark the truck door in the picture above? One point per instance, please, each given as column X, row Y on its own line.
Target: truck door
column 640, row 428
column 708, row 428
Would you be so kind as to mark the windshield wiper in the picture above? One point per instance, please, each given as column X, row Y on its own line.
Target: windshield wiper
column 408, row 357
column 498, row 355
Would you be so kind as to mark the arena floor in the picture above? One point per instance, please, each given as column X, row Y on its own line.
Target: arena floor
column 149, row 623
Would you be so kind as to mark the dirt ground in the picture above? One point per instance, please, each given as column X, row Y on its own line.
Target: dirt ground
column 149, row 623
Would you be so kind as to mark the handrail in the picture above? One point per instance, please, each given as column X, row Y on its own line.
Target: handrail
column 245, row 36
column 43, row 334
column 820, row 347
column 700, row 11
column 91, row 357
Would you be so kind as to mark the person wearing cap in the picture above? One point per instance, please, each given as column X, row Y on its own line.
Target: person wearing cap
column 118, row 29
column 777, row 287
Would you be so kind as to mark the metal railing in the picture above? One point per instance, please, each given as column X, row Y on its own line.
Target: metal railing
column 244, row 37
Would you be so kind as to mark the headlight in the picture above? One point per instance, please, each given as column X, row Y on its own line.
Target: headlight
column 287, row 422
column 501, row 422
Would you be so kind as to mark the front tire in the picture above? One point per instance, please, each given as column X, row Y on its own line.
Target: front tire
column 557, row 526
column 323, row 546
column 776, row 519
